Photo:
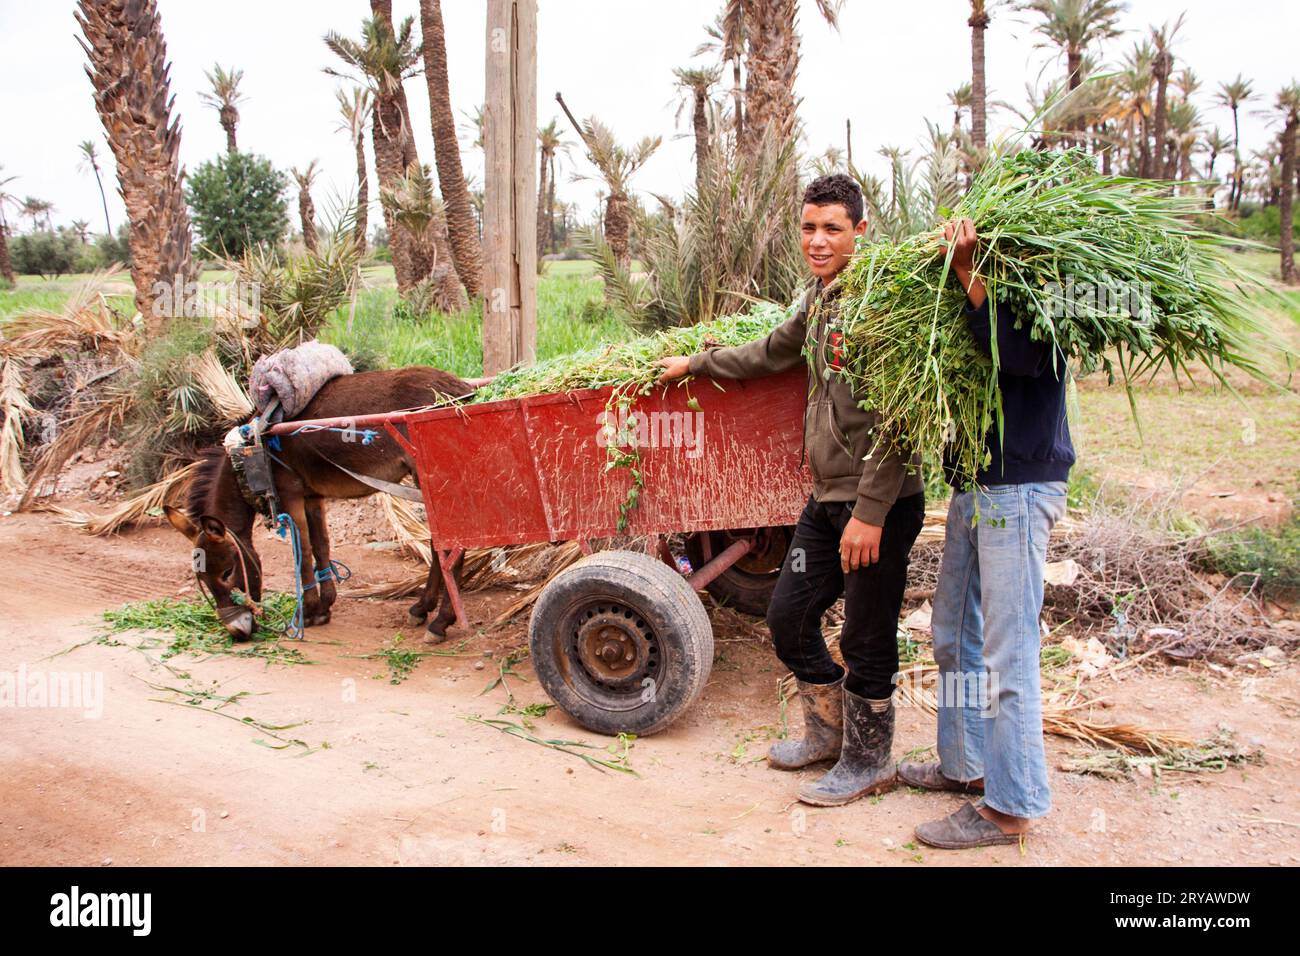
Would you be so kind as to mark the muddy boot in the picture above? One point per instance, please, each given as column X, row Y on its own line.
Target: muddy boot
column 866, row 764
column 823, row 728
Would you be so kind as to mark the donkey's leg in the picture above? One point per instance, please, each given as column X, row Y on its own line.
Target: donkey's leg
column 446, row 613
column 320, row 549
column 311, row 606
column 418, row 612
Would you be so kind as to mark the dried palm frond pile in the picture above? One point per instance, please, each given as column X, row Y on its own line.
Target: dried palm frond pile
column 1209, row 756
column 1116, row 273
column 147, row 503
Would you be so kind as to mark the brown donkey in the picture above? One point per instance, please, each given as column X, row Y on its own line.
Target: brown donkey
column 219, row 522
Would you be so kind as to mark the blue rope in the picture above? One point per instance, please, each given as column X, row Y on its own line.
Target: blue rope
column 368, row 435
column 285, row 527
column 335, row 571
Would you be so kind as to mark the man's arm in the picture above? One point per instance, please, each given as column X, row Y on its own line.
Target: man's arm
column 1018, row 353
column 780, row 349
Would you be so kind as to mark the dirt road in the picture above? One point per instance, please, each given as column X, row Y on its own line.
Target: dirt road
column 395, row 774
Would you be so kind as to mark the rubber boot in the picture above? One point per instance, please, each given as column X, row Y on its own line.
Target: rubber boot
column 823, row 728
column 866, row 763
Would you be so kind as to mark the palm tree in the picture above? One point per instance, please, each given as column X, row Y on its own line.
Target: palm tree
column 771, row 64
column 1232, row 95
column 90, row 160
column 1184, row 134
column 1288, row 102
column 466, row 251
column 354, row 107
column 616, row 165
column 960, row 101
column 383, row 58
column 410, row 202
column 1216, row 143
column 224, row 98
column 306, row 208
column 727, row 34
column 979, row 24
column 550, row 143
column 6, row 199
column 696, row 82
column 1162, row 69
column 1073, row 26
column 129, row 73
column 1135, row 89
column 37, row 210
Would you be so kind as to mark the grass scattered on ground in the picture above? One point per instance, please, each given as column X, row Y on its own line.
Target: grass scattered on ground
column 193, row 628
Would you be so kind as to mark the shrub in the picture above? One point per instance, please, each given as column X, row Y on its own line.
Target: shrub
column 45, row 253
column 237, row 201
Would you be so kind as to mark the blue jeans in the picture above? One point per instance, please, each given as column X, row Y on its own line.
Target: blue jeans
column 986, row 642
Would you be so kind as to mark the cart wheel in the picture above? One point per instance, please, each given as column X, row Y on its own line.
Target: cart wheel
column 621, row 643
column 748, row 584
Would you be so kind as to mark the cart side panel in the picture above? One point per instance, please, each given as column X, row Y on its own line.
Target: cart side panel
column 731, row 463
column 477, row 475
column 536, row 469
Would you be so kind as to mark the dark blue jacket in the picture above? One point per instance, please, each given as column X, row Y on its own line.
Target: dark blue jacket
column 1036, row 444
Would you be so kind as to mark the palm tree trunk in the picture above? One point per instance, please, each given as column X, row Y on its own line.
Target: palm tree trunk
column 542, row 218
column 307, row 213
column 129, row 72
column 1160, row 69
column 363, row 194
column 466, row 252
column 103, row 198
column 1234, row 194
column 550, row 205
column 1286, row 205
column 618, row 229
column 771, row 61
column 700, row 122
column 227, row 116
column 386, row 122
column 6, row 266
column 1144, row 148
column 979, row 24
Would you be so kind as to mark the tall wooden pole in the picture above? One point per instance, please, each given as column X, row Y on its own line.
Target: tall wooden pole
column 510, row 187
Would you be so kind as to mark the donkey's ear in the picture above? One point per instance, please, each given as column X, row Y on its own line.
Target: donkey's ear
column 181, row 522
column 212, row 526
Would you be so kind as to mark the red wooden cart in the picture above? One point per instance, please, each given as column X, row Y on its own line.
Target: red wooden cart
column 620, row 639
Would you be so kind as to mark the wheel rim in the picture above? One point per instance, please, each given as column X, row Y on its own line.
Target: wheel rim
column 615, row 654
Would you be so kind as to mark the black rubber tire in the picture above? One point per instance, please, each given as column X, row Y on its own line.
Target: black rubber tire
column 662, row 618
column 745, row 589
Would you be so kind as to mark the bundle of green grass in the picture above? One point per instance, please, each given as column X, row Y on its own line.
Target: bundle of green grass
column 1114, row 271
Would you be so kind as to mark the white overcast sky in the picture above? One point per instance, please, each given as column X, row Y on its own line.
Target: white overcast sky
column 888, row 67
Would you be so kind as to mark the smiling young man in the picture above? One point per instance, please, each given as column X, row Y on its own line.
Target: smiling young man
column 854, row 535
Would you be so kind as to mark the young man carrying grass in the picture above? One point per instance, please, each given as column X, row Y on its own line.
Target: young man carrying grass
column 854, row 535
column 990, row 590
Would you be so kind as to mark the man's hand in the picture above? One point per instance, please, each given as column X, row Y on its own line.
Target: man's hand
column 674, row 367
column 961, row 235
column 859, row 545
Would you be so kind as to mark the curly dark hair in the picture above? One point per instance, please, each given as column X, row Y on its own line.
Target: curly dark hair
column 836, row 188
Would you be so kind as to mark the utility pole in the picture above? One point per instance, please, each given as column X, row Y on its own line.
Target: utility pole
column 510, row 187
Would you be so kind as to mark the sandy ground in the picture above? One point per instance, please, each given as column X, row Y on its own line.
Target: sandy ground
column 396, row 775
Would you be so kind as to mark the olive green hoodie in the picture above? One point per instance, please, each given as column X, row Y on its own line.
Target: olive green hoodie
column 839, row 435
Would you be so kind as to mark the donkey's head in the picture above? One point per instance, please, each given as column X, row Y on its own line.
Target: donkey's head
column 222, row 562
